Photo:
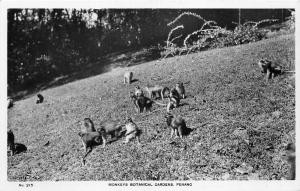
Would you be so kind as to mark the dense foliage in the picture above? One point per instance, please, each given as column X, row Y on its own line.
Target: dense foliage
column 47, row 43
column 291, row 20
column 210, row 35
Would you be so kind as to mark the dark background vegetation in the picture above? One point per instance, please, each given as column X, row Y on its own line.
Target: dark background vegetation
column 46, row 45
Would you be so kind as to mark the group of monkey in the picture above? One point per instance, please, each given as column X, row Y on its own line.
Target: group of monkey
column 142, row 102
column 90, row 135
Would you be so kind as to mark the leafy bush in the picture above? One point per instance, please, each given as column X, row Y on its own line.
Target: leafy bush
column 210, row 35
column 243, row 34
column 291, row 20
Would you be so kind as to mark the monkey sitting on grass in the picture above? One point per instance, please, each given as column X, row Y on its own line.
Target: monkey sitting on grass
column 180, row 90
column 174, row 100
column 132, row 131
column 11, row 142
column 177, row 124
column 128, row 77
column 290, row 156
column 138, row 91
column 40, row 99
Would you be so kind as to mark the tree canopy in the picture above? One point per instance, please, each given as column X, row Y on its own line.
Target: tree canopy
column 45, row 43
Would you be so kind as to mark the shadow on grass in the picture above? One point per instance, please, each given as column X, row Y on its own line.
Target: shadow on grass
column 19, row 148
column 134, row 80
column 102, row 65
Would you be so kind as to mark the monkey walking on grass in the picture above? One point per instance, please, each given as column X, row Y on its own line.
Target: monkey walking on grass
column 89, row 139
column 143, row 103
column 271, row 69
column 157, row 89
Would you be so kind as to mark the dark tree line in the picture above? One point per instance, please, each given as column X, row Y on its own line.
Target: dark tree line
column 46, row 43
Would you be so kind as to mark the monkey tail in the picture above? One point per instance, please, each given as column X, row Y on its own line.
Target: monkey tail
column 185, row 128
column 289, row 71
column 129, row 133
column 84, row 156
column 161, row 104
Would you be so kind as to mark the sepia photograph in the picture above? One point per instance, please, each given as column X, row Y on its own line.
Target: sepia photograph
column 164, row 97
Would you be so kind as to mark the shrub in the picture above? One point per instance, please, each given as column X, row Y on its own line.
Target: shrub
column 291, row 20
column 243, row 34
column 210, row 35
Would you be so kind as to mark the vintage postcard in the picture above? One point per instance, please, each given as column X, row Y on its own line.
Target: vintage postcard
column 149, row 95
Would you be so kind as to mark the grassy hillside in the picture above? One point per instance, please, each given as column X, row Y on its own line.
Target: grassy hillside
column 240, row 123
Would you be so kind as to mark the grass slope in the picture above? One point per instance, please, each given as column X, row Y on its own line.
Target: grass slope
column 240, row 124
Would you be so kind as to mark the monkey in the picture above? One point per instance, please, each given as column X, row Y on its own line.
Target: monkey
column 177, row 123
column 87, row 125
column 138, row 91
column 180, row 90
column 111, row 128
column 174, row 100
column 40, row 99
column 88, row 140
column 290, row 157
column 10, row 102
column 11, row 142
column 291, row 81
column 128, row 77
column 132, row 131
column 173, row 103
column 174, row 93
column 90, row 136
column 157, row 89
column 270, row 68
column 143, row 103
column 265, row 64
